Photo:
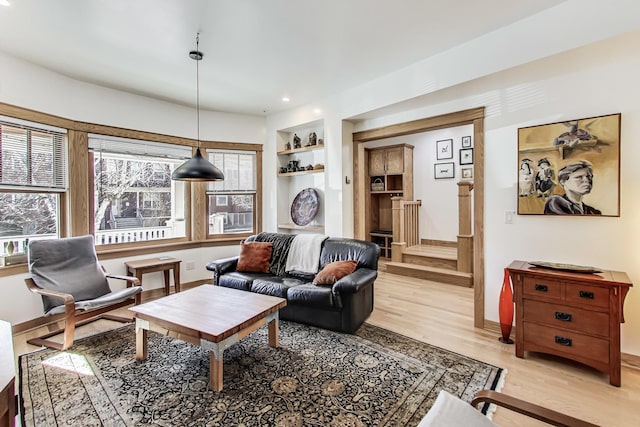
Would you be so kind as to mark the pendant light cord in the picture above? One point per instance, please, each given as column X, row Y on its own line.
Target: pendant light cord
column 198, row 57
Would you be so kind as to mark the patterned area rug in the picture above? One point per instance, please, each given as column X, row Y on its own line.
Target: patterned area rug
column 315, row 378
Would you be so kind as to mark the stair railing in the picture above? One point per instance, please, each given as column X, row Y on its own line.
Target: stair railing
column 405, row 225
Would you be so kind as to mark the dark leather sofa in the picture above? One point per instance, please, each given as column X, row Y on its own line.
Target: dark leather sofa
column 342, row 307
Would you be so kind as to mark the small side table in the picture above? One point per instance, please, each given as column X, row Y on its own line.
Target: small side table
column 164, row 264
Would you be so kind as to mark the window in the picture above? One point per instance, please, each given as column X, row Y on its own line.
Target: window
column 134, row 196
column 231, row 203
column 33, row 181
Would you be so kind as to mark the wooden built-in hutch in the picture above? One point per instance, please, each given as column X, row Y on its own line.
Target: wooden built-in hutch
column 390, row 171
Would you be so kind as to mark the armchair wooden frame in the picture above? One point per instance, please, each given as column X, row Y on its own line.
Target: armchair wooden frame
column 538, row 412
column 74, row 317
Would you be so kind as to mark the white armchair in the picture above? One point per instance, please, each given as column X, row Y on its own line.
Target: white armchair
column 450, row 411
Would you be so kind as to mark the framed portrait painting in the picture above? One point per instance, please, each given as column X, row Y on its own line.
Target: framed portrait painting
column 570, row 168
column 466, row 142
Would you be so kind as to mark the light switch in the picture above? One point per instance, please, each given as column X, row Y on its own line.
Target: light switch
column 508, row 217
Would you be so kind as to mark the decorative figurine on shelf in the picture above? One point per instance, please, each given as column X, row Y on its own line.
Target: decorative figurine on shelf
column 292, row 166
column 309, row 167
column 296, row 141
column 287, row 146
column 312, row 138
column 320, row 141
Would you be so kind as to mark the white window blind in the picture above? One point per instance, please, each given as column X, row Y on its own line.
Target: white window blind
column 32, row 157
column 136, row 147
column 238, row 167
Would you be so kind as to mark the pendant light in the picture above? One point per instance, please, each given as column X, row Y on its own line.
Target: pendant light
column 197, row 168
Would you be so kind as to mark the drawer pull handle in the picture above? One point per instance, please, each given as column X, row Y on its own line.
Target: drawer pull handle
column 565, row 317
column 541, row 288
column 563, row 341
column 587, row 295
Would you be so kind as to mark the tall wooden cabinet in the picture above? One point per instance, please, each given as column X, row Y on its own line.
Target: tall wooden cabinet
column 390, row 171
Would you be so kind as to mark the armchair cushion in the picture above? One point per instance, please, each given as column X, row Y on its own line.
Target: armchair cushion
column 450, row 411
column 67, row 265
column 103, row 301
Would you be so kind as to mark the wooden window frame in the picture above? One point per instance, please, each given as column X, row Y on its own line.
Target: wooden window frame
column 76, row 210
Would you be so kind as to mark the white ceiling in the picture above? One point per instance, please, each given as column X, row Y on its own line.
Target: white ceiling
column 255, row 51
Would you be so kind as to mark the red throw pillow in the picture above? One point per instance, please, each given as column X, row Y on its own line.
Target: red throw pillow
column 254, row 257
column 334, row 271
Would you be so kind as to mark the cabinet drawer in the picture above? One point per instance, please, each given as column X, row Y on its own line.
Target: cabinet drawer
column 564, row 343
column 575, row 319
column 542, row 287
column 595, row 296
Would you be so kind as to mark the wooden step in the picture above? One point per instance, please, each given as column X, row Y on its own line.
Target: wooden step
column 431, row 256
column 442, row 275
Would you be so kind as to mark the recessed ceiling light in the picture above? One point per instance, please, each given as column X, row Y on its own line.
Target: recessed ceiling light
column 5, row 3
column 317, row 111
column 285, row 99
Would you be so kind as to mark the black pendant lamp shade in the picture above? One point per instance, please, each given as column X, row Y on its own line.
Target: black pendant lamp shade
column 197, row 168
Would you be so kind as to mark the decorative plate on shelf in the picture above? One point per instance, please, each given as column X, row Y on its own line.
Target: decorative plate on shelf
column 305, row 206
column 565, row 267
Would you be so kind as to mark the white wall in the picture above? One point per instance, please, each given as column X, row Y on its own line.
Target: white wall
column 595, row 78
column 28, row 86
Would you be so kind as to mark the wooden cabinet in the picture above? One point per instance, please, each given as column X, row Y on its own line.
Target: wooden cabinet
column 390, row 171
column 387, row 161
column 573, row 315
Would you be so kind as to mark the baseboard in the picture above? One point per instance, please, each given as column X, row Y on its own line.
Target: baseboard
column 145, row 296
column 445, row 243
column 628, row 360
column 493, row 327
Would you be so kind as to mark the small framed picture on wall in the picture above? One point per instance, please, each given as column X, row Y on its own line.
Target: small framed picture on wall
column 466, row 142
column 444, row 149
column 466, row 156
column 443, row 170
column 466, row 173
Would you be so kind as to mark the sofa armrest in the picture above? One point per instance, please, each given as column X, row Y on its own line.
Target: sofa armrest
column 222, row 266
column 355, row 281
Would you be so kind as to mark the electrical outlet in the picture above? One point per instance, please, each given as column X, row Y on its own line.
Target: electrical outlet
column 190, row 265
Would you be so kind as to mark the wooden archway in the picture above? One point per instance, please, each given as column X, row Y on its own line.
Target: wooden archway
column 473, row 116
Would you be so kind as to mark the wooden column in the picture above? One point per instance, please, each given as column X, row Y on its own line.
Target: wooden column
column 80, row 187
column 465, row 235
column 399, row 240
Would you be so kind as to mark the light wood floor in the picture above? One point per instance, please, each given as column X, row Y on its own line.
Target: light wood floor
column 442, row 315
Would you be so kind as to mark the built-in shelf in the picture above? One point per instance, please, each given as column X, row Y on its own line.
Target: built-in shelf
column 398, row 192
column 300, row 150
column 318, row 228
column 301, row 172
column 293, row 176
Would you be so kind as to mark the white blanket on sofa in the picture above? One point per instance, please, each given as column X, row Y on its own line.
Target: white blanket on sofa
column 304, row 253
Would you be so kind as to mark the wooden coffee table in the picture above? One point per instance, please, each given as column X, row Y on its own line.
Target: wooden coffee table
column 207, row 313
